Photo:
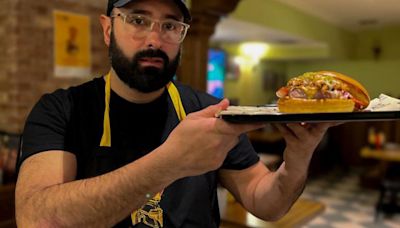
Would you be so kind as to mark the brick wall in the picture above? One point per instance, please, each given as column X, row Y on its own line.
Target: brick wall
column 26, row 62
column 7, row 57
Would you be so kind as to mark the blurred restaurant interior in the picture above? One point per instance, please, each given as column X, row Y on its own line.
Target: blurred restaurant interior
column 243, row 50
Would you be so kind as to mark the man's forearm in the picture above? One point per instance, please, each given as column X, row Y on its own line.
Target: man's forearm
column 99, row 201
column 283, row 187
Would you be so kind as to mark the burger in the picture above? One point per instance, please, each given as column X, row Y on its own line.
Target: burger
column 322, row 91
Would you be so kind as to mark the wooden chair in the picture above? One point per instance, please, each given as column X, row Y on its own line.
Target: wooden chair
column 389, row 202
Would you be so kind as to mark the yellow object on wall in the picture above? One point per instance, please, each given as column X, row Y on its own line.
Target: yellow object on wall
column 72, row 50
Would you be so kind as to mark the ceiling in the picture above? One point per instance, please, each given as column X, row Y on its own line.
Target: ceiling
column 233, row 30
column 353, row 15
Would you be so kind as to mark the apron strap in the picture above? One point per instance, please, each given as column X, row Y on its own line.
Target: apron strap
column 106, row 137
column 176, row 100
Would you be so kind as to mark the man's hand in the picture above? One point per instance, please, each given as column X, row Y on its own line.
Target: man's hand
column 302, row 140
column 201, row 142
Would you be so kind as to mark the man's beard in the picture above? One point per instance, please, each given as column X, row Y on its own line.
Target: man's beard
column 143, row 79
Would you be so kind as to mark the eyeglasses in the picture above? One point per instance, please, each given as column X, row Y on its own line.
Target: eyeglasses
column 139, row 26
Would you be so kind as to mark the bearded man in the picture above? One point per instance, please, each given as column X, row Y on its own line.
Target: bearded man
column 134, row 148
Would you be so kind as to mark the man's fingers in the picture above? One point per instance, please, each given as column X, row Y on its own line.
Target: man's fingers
column 223, row 127
column 299, row 129
column 321, row 128
column 212, row 110
column 285, row 131
column 314, row 129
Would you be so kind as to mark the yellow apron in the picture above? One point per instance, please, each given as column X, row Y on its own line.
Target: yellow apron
column 151, row 213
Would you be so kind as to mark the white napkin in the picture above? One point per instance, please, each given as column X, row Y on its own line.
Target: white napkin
column 384, row 103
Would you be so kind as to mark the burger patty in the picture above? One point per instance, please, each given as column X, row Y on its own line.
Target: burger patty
column 315, row 93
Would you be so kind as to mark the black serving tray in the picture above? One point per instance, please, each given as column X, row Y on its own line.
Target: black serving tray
column 311, row 117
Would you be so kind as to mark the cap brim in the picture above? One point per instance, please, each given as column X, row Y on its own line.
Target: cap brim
column 121, row 3
column 179, row 3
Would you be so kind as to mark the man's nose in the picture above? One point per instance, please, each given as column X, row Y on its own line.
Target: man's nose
column 153, row 38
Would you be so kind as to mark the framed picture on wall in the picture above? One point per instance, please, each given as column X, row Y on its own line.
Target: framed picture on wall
column 72, row 44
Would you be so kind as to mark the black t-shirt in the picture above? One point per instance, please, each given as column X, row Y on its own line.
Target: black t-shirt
column 72, row 120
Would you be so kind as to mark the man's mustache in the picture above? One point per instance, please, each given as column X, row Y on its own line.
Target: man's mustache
column 151, row 53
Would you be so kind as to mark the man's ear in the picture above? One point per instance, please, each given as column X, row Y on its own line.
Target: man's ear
column 106, row 25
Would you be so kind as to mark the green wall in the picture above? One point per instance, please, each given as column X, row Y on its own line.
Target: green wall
column 252, row 86
column 276, row 15
column 388, row 39
column 256, row 85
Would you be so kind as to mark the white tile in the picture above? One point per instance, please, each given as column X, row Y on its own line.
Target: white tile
column 318, row 221
column 370, row 209
column 341, row 195
column 392, row 224
column 331, row 201
column 330, row 210
column 306, row 195
column 346, row 225
column 356, row 205
column 359, row 217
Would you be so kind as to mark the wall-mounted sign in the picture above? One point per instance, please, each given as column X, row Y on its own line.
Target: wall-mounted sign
column 72, row 48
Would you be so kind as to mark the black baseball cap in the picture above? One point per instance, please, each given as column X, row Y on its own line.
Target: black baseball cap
column 120, row 3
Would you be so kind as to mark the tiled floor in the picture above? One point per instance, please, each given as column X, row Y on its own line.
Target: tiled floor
column 347, row 204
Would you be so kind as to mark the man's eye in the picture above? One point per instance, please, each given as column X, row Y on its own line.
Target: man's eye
column 137, row 21
column 169, row 26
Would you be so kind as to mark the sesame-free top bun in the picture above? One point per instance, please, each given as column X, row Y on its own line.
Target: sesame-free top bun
column 356, row 89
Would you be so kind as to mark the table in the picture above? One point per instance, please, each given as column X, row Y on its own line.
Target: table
column 386, row 155
column 302, row 211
